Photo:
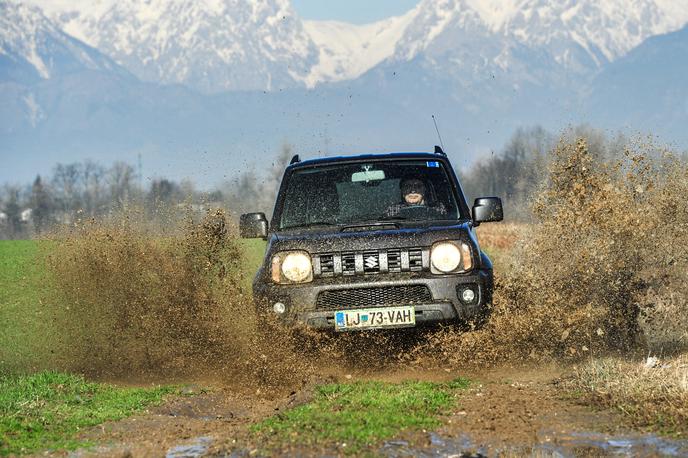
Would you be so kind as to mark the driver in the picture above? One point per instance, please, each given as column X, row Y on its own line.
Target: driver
column 413, row 194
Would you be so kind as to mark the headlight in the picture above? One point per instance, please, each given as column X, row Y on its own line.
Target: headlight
column 451, row 257
column 445, row 257
column 294, row 266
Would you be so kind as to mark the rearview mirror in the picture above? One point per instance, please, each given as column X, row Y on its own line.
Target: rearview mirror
column 253, row 226
column 367, row 175
column 487, row 209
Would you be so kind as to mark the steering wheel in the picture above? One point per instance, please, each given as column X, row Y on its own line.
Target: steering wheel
column 417, row 211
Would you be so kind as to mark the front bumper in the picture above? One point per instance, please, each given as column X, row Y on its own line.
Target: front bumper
column 445, row 304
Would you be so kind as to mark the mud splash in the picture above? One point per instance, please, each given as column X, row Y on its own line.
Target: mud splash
column 135, row 305
column 592, row 275
column 587, row 277
column 602, row 269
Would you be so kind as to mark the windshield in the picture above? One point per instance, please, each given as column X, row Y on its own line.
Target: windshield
column 366, row 192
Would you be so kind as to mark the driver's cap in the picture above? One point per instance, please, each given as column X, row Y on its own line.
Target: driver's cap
column 412, row 186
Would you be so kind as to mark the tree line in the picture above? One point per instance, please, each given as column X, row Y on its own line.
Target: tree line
column 88, row 189
column 516, row 171
column 76, row 191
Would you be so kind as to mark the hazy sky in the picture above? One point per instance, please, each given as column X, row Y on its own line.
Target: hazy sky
column 356, row 11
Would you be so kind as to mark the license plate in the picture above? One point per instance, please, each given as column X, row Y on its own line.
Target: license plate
column 388, row 317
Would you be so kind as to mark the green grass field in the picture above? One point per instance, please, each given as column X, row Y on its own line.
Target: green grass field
column 24, row 325
column 41, row 409
column 47, row 410
column 353, row 416
column 254, row 250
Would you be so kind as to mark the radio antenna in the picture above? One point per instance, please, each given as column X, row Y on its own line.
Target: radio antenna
column 438, row 132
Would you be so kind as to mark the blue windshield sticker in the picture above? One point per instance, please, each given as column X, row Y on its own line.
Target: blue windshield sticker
column 433, row 164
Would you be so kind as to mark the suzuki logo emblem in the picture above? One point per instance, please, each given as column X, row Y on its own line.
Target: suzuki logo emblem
column 370, row 262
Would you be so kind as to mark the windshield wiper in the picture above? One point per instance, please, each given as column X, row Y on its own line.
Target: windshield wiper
column 369, row 225
column 313, row 223
column 393, row 218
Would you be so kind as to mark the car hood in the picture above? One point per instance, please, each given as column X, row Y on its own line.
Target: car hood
column 334, row 239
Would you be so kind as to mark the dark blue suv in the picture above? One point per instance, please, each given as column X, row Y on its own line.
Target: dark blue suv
column 371, row 242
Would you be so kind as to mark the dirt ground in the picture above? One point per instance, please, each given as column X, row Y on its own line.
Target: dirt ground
column 517, row 410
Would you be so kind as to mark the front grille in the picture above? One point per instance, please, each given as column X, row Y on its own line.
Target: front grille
column 348, row 263
column 326, row 265
column 415, row 259
column 371, row 262
column 373, row 297
column 394, row 260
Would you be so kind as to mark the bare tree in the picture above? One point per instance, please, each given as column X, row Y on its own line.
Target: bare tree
column 514, row 173
column 66, row 183
column 12, row 210
column 41, row 205
column 121, row 178
column 93, row 176
column 270, row 186
column 163, row 191
column 250, row 191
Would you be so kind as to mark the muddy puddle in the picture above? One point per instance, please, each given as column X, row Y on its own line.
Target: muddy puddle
column 549, row 444
column 574, row 444
column 195, row 449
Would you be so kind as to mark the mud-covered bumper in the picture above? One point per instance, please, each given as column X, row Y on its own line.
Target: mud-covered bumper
column 441, row 302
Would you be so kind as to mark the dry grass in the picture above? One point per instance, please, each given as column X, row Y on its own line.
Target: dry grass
column 651, row 393
column 499, row 236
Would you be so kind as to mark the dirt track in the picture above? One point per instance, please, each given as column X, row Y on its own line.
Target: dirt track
column 507, row 409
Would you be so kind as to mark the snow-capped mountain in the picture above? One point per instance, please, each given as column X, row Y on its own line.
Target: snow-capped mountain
column 32, row 47
column 210, row 45
column 646, row 88
column 348, row 50
column 33, row 50
column 216, row 45
column 578, row 34
column 605, row 30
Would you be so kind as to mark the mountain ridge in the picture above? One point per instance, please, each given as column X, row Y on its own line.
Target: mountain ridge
column 180, row 41
column 31, row 41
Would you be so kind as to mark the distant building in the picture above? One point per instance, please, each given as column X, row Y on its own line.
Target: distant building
column 25, row 215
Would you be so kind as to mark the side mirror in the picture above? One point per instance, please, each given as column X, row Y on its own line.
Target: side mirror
column 253, row 226
column 487, row 209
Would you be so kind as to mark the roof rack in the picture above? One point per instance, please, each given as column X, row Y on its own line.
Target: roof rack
column 439, row 150
column 295, row 159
